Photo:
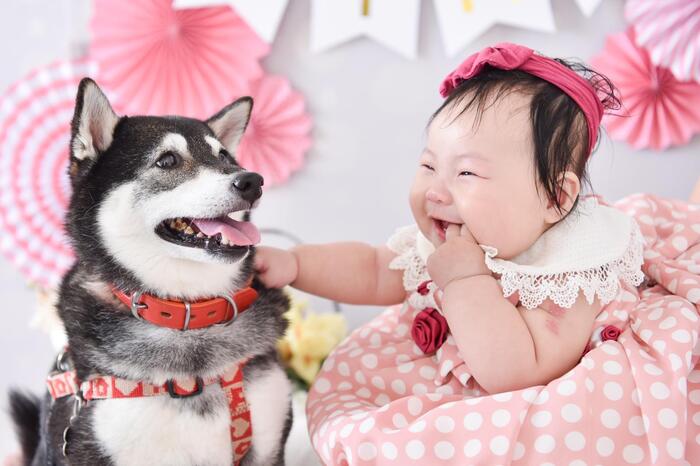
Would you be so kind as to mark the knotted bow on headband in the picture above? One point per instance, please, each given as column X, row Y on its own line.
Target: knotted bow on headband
column 508, row 56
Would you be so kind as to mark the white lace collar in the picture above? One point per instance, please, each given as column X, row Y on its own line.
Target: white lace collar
column 590, row 251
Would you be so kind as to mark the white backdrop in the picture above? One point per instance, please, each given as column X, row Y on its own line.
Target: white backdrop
column 369, row 106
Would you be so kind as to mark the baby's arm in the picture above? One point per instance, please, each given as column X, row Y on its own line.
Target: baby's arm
column 509, row 348
column 353, row 273
column 505, row 347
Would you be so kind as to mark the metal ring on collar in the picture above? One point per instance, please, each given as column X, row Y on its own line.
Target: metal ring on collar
column 235, row 310
column 188, row 314
column 136, row 305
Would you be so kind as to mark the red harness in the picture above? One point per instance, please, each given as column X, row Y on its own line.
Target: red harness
column 62, row 384
column 182, row 316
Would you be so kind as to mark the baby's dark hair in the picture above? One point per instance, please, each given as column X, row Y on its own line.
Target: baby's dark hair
column 559, row 128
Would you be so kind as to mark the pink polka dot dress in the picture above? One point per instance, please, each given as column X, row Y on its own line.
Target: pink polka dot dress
column 634, row 398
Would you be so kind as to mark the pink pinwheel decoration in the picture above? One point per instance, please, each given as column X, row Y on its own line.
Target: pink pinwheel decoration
column 277, row 136
column 157, row 60
column 35, row 115
column 670, row 30
column 658, row 111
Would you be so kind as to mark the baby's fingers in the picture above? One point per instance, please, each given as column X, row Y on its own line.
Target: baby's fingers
column 464, row 231
column 452, row 231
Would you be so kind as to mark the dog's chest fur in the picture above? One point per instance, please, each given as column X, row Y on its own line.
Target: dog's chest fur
column 161, row 430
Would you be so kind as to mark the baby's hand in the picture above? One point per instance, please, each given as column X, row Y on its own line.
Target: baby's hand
column 458, row 257
column 276, row 267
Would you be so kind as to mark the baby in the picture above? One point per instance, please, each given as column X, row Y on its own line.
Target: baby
column 501, row 278
column 503, row 165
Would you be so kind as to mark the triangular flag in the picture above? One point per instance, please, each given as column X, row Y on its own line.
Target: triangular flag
column 588, row 6
column 462, row 21
column 393, row 23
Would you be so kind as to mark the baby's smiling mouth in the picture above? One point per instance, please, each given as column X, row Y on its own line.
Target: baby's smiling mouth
column 441, row 226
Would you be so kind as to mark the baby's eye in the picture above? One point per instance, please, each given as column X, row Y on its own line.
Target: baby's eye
column 466, row 173
column 429, row 167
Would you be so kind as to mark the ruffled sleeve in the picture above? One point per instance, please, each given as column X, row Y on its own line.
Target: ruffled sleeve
column 412, row 250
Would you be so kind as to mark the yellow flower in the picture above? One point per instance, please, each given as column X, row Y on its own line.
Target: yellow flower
column 305, row 367
column 309, row 338
column 317, row 334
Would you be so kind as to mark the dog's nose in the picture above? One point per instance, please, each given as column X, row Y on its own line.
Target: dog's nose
column 249, row 184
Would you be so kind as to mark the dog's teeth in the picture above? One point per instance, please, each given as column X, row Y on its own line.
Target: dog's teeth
column 200, row 235
column 189, row 231
column 172, row 224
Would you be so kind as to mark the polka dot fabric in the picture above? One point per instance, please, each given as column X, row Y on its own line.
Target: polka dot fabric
column 380, row 400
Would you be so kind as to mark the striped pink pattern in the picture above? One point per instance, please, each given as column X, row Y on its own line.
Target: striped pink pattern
column 35, row 115
column 658, row 111
column 277, row 136
column 670, row 30
column 160, row 61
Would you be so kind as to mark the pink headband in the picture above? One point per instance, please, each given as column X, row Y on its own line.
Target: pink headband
column 507, row 56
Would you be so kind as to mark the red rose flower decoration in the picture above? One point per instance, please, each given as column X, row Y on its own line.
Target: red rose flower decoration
column 429, row 330
column 423, row 288
column 610, row 333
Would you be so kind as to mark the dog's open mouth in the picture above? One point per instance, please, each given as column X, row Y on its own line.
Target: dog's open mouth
column 220, row 234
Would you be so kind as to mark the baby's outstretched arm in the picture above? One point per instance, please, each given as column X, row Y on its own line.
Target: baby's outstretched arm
column 505, row 347
column 353, row 273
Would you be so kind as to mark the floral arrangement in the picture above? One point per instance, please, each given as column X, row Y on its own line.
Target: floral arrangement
column 309, row 339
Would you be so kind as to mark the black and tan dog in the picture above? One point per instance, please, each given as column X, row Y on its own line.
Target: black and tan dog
column 171, row 357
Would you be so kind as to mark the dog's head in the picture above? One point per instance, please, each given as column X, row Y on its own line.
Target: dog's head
column 161, row 200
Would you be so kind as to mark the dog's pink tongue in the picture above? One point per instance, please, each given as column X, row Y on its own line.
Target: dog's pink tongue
column 238, row 233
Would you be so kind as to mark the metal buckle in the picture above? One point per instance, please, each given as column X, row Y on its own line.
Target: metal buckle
column 78, row 403
column 199, row 386
column 188, row 314
column 62, row 363
column 235, row 310
column 136, row 305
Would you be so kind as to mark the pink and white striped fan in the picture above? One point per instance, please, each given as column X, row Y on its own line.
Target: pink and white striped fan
column 35, row 115
column 658, row 111
column 277, row 136
column 670, row 30
column 157, row 60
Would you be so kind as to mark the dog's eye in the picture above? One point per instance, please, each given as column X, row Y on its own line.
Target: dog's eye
column 226, row 157
column 168, row 160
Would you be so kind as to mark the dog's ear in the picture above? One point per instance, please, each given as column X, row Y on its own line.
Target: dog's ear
column 92, row 127
column 230, row 123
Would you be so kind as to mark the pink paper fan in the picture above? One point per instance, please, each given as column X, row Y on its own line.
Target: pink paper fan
column 35, row 115
column 277, row 136
column 670, row 30
column 157, row 60
column 658, row 111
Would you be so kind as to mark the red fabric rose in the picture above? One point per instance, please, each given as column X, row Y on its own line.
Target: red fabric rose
column 610, row 333
column 429, row 330
column 423, row 288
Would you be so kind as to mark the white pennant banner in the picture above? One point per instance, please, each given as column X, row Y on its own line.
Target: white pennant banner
column 588, row 6
column 393, row 23
column 263, row 16
column 462, row 21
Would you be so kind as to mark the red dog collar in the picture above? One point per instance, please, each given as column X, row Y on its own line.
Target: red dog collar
column 184, row 315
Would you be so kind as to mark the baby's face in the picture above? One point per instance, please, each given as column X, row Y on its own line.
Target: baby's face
column 482, row 176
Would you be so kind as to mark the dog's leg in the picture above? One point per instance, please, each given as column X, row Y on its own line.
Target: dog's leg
column 268, row 392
